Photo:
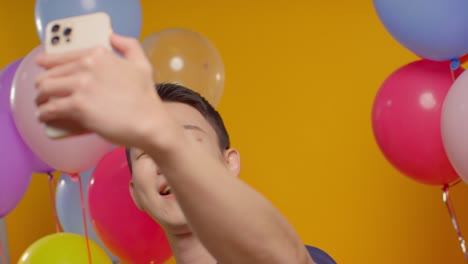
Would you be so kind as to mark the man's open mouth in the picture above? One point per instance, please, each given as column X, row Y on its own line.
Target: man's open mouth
column 165, row 191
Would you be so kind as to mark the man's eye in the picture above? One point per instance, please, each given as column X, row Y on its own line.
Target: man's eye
column 140, row 155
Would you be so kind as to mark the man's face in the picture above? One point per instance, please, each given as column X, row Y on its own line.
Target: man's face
column 149, row 186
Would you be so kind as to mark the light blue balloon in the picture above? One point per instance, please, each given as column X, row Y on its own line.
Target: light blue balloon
column 68, row 205
column 126, row 15
column 432, row 29
column 319, row 256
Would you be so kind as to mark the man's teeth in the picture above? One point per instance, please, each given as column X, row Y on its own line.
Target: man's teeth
column 167, row 191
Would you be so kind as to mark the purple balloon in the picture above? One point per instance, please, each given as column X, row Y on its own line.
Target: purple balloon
column 15, row 165
column 40, row 166
column 15, row 157
column 6, row 80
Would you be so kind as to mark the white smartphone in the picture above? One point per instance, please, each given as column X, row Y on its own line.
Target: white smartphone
column 74, row 33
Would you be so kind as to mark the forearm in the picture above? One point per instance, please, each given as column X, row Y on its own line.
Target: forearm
column 234, row 222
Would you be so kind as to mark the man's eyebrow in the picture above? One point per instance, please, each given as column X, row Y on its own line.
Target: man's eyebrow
column 193, row 127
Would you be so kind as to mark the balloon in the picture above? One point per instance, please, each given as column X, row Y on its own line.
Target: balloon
column 126, row 231
column 406, row 121
column 16, row 158
column 6, row 79
column 69, row 211
column 40, row 166
column 188, row 58
column 319, row 256
column 15, row 165
column 126, row 15
column 71, row 155
column 432, row 29
column 454, row 124
column 63, row 248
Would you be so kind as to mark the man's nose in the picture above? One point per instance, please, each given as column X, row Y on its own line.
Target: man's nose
column 158, row 171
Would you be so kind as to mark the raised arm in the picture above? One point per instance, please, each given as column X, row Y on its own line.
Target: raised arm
column 114, row 97
column 234, row 222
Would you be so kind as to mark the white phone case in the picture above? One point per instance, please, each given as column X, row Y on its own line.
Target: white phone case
column 74, row 33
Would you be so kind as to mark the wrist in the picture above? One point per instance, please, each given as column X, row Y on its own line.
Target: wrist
column 160, row 133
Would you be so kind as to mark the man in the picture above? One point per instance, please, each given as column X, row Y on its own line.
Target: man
column 199, row 118
column 220, row 218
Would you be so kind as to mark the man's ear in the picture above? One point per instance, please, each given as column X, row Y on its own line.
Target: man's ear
column 134, row 196
column 232, row 158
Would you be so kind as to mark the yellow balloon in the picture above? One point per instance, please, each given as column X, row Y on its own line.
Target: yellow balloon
column 63, row 248
column 185, row 57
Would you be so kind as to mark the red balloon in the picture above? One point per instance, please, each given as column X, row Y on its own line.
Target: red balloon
column 125, row 230
column 406, row 119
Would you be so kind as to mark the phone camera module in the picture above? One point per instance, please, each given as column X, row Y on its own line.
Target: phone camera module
column 67, row 32
column 55, row 28
column 55, row 40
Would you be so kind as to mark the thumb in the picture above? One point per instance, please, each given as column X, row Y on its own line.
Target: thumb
column 130, row 48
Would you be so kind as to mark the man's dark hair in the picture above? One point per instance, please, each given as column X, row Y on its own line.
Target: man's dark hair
column 171, row 92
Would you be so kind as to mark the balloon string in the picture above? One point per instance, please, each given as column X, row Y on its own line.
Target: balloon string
column 83, row 211
column 2, row 254
column 451, row 210
column 52, row 183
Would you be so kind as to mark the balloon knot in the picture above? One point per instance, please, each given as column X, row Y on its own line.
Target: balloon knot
column 74, row 176
column 454, row 64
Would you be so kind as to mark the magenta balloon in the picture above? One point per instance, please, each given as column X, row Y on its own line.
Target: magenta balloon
column 406, row 121
column 71, row 155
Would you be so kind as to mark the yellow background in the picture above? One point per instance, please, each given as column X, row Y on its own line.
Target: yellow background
column 301, row 78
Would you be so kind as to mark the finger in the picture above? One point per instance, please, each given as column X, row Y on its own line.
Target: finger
column 129, row 47
column 52, row 60
column 69, row 126
column 54, row 87
column 61, row 71
column 57, row 109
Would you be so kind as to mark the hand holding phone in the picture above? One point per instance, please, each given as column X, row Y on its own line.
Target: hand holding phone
column 74, row 33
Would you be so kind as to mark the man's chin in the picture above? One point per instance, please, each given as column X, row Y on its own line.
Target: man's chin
column 174, row 222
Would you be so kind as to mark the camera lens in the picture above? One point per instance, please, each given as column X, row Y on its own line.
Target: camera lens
column 67, row 31
column 55, row 40
column 55, row 28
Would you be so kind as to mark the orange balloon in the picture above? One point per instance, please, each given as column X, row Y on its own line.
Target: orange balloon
column 185, row 57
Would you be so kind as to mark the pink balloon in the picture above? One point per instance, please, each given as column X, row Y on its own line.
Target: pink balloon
column 132, row 235
column 455, row 125
column 71, row 155
column 406, row 121
column 6, row 80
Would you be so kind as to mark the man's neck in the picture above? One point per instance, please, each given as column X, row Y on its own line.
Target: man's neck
column 188, row 249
